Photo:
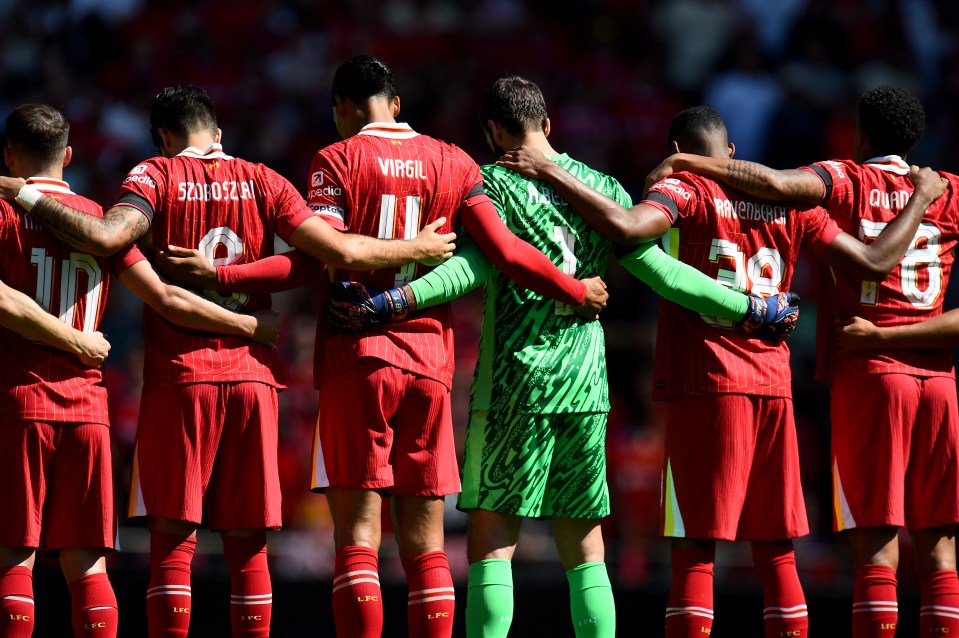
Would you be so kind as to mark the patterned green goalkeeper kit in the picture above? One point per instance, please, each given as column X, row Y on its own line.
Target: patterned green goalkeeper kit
column 535, row 444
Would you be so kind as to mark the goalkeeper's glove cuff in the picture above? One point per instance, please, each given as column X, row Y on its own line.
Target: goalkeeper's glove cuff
column 390, row 305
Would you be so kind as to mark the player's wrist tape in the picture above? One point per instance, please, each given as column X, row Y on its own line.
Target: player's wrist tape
column 28, row 196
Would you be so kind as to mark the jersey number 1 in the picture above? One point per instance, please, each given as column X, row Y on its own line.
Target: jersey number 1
column 411, row 226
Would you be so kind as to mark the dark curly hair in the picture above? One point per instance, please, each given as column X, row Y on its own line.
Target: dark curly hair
column 182, row 109
column 892, row 119
column 361, row 78
column 691, row 128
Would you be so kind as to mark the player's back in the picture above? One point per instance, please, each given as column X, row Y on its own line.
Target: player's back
column 536, row 355
column 389, row 182
column 863, row 198
column 746, row 244
column 228, row 209
column 38, row 382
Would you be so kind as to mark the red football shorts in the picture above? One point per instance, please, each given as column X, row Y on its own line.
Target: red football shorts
column 212, row 446
column 380, row 427
column 57, row 477
column 894, row 451
column 732, row 469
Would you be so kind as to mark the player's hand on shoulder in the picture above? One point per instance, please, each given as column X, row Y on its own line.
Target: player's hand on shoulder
column 857, row 335
column 93, row 349
column 772, row 318
column 666, row 168
column 596, row 297
column 10, row 186
column 432, row 247
column 267, row 329
column 527, row 161
column 185, row 266
column 927, row 182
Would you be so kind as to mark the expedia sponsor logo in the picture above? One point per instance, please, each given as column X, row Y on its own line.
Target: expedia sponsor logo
column 140, row 169
column 326, row 191
column 750, row 211
column 146, row 180
column 317, row 179
column 839, row 168
column 672, row 185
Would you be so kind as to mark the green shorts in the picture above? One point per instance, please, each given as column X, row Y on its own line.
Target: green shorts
column 536, row 465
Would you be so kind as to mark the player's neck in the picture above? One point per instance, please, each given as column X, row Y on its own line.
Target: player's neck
column 536, row 141
column 201, row 141
column 51, row 172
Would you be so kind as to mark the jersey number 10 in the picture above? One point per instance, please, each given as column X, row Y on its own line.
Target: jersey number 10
column 70, row 292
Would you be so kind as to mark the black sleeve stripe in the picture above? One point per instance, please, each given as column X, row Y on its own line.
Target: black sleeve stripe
column 826, row 180
column 664, row 200
column 476, row 190
column 140, row 203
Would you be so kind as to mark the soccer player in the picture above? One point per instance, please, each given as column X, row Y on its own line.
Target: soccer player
column 894, row 458
column 54, row 444
column 731, row 469
column 207, row 433
column 535, row 443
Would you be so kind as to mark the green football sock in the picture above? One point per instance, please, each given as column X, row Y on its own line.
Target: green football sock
column 489, row 599
column 591, row 601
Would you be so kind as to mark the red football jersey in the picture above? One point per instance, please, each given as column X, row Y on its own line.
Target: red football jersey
column 389, row 181
column 229, row 209
column 37, row 382
column 863, row 198
column 746, row 244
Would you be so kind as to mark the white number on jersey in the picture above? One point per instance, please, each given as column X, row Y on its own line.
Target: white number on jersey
column 567, row 241
column 761, row 274
column 70, row 292
column 411, row 226
column 923, row 252
column 228, row 244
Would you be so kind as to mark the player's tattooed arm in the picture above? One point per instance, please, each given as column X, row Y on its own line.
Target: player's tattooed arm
column 624, row 226
column 22, row 315
column 118, row 228
column 875, row 261
column 752, row 178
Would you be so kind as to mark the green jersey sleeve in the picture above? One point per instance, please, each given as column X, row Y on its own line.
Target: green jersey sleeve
column 678, row 282
column 464, row 272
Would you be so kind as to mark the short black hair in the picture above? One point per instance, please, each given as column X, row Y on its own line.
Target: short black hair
column 692, row 126
column 182, row 109
column 516, row 104
column 363, row 77
column 38, row 130
column 892, row 119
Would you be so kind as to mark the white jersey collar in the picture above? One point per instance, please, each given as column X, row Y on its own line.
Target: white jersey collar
column 891, row 163
column 50, row 185
column 389, row 130
column 214, row 151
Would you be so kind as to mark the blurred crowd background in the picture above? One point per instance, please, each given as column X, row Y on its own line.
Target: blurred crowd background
column 785, row 74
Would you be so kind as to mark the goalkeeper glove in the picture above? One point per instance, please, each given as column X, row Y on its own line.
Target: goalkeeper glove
column 353, row 308
column 773, row 318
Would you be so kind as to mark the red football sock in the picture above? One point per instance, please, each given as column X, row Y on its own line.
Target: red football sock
column 432, row 598
column 689, row 611
column 875, row 610
column 357, row 603
column 251, row 600
column 168, row 594
column 93, row 607
column 16, row 602
column 784, row 605
column 939, row 614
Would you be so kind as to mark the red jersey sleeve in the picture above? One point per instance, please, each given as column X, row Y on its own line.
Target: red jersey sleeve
column 273, row 274
column 327, row 189
column 143, row 187
column 676, row 197
column 126, row 258
column 836, row 176
column 819, row 229
column 286, row 204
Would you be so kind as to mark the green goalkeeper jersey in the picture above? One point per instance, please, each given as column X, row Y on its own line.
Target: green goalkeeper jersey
column 535, row 354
